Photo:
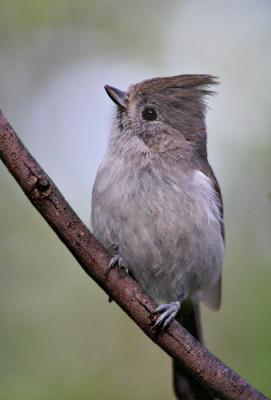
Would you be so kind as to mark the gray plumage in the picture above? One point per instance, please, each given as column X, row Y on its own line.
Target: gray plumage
column 155, row 200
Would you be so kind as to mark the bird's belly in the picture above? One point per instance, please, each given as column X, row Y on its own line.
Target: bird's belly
column 170, row 238
column 172, row 263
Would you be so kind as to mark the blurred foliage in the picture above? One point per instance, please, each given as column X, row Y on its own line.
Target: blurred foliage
column 59, row 336
column 118, row 23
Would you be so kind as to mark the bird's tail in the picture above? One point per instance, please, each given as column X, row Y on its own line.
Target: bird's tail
column 185, row 386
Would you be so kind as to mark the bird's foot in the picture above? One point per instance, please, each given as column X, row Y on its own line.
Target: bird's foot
column 168, row 313
column 117, row 261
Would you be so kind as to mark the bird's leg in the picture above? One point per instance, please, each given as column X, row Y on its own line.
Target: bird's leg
column 167, row 313
column 117, row 260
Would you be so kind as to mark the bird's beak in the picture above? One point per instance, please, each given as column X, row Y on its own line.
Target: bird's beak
column 119, row 97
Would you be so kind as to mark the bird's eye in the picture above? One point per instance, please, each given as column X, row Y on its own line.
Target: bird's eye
column 149, row 114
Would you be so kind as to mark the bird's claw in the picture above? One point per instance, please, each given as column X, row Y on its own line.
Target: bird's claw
column 168, row 313
column 117, row 261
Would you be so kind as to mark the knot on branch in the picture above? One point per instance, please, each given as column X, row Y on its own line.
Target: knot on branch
column 41, row 189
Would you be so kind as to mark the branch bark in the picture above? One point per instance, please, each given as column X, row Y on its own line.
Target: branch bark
column 93, row 258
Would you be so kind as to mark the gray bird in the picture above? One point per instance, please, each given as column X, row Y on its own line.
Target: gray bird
column 157, row 206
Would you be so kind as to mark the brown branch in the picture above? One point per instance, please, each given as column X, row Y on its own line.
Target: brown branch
column 92, row 257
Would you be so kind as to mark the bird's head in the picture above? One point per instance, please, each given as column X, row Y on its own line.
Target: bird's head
column 167, row 114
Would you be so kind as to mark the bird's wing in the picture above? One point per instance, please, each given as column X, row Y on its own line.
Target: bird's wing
column 207, row 170
column 212, row 296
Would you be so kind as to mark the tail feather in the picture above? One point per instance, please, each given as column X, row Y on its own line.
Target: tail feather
column 185, row 386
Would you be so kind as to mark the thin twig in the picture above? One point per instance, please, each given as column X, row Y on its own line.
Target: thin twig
column 93, row 258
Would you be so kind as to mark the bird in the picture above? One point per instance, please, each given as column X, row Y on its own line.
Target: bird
column 157, row 205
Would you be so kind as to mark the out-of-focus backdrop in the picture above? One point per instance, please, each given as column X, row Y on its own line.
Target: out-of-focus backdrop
column 59, row 336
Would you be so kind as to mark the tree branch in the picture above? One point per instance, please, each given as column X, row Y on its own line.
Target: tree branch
column 93, row 258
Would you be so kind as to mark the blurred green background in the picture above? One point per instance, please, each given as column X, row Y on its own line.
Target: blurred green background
column 59, row 337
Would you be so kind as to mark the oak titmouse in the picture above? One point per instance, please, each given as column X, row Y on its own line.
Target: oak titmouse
column 156, row 204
